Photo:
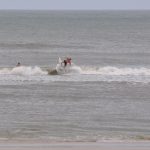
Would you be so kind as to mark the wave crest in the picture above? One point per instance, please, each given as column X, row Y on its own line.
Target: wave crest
column 23, row 70
column 109, row 70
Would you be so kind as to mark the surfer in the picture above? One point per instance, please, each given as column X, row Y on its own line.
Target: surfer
column 66, row 61
column 18, row 64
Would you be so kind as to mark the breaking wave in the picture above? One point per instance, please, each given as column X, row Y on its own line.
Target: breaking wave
column 75, row 73
column 23, row 70
column 109, row 70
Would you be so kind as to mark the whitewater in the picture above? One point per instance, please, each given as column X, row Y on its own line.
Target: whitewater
column 76, row 73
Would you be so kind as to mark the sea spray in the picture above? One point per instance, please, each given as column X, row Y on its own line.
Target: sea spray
column 74, row 69
column 23, row 70
column 111, row 70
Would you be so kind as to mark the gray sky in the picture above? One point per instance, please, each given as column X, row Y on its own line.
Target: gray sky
column 75, row 4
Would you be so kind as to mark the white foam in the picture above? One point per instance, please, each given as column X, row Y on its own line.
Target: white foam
column 74, row 73
column 109, row 70
column 23, row 70
column 73, row 69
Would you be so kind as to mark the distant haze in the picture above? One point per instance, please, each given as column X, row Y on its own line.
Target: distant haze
column 74, row 4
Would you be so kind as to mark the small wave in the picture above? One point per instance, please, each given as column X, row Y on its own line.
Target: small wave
column 74, row 74
column 33, row 135
column 23, row 70
column 109, row 70
column 73, row 69
column 142, row 138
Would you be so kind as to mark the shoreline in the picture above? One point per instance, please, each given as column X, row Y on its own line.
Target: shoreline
column 47, row 145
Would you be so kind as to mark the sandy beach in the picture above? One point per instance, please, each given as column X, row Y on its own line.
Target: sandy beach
column 75, row 146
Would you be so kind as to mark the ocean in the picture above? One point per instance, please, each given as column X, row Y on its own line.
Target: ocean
column 104, row 97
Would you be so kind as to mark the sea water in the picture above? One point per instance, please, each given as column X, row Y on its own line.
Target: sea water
column 106, row 94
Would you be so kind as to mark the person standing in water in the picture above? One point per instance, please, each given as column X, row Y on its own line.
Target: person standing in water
column 69, row 61
column 18, row 64
column 66, row 61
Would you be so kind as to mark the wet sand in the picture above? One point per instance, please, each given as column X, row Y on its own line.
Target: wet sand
column 74, row 146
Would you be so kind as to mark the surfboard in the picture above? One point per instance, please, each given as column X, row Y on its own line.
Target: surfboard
column 52, row 72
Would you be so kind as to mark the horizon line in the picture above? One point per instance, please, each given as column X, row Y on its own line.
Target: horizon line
column 78, row 9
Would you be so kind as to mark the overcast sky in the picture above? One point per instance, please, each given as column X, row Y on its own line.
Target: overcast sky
column 74, row 4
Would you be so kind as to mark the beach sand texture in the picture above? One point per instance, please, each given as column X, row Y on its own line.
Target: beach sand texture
column 75, row 146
